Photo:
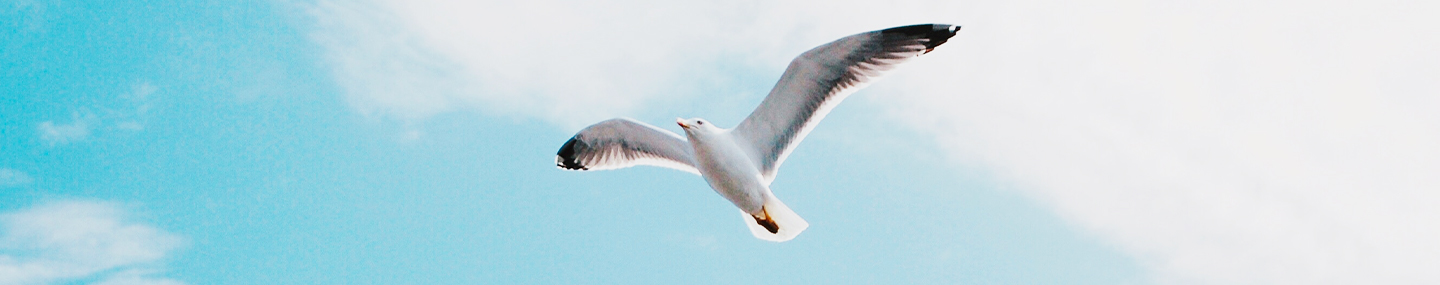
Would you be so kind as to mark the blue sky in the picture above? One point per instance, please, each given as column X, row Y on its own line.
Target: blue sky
column 412, row 142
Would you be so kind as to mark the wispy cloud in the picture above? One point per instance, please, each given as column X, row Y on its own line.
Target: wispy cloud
column 69, row 241
column 11, row 177
column 134, row 108
column 1229, row 142
column 127, row 114
column 56, row 134
column 28, row 16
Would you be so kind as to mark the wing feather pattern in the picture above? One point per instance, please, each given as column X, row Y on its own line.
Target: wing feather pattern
column 621, row 143
column 819, row 79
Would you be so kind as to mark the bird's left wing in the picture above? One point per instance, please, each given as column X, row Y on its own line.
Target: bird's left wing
column 621, row 143
column 819, row 79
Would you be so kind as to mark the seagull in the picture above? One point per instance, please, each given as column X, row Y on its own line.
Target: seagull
column 739, row 163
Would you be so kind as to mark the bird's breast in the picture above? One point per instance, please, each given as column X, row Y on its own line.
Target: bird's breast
column 729, row 169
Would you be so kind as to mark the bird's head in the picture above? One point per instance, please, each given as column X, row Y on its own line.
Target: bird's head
column 696, row 125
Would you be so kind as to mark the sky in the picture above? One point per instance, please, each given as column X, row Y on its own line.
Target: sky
column 412, row 142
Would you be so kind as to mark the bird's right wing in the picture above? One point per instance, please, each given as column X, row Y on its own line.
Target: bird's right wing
column 621, row 143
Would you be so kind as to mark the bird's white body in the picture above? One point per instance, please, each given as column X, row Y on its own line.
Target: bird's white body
column 740, row 163
column 728, row 168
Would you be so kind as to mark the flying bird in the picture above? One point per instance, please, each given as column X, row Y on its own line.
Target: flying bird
column 739, row 163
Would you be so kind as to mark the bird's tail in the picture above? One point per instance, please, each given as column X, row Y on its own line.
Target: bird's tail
column 776, row 222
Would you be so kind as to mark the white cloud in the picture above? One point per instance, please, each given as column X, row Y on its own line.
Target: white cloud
column 571, row 63
column 1229, row 142
column 69, row 241
column 1223, row 143
column 11, row 177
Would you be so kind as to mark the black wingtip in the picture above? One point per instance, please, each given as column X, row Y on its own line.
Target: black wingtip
column 565, row 158
column 935, row 33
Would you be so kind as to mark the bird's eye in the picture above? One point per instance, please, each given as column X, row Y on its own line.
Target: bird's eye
column 700, row 122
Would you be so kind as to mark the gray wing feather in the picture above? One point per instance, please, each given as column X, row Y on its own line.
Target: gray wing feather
column 621, row 143
column 819, row 79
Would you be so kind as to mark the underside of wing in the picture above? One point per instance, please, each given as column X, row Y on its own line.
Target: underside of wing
column 819, row 79
column 622, row 142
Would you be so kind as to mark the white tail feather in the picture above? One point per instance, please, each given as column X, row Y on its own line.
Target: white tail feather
column 790, row 224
